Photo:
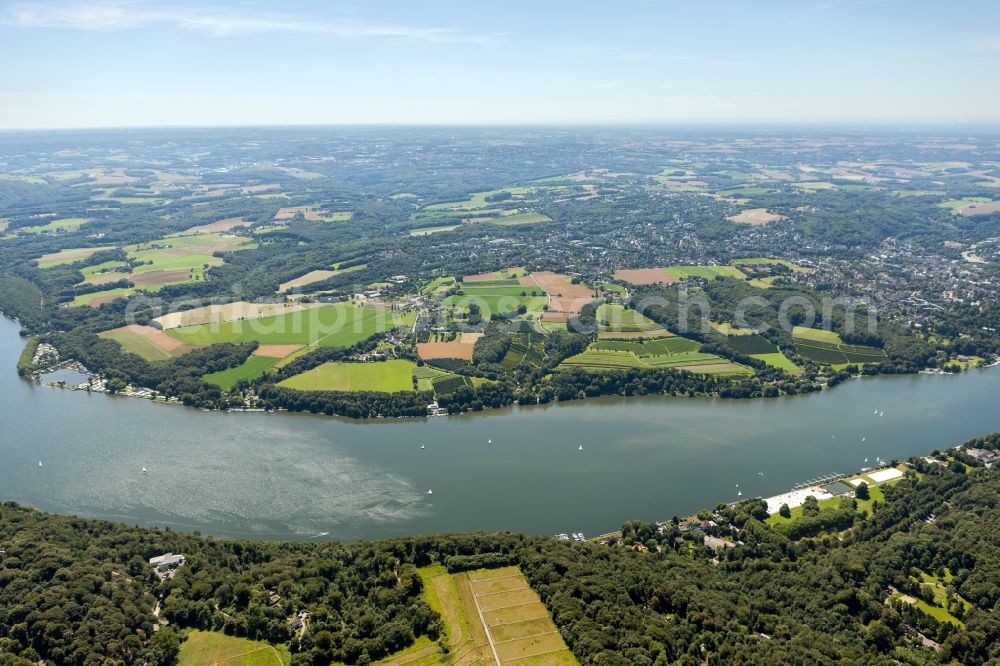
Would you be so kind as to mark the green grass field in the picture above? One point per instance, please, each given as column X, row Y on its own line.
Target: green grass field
column 387, row 376
column 780, row 361
column 816, row 335
column 335, row 325
column 66, row 224
column 705, row 272
column 103, row 273
column 252, row 368
column 658, row 347
column 86, row 299
column 615, row 318
column 497, row 298
column 954, row 204
column 211, row 648
column 426, row 231
column 137, row 344
column 69, row 256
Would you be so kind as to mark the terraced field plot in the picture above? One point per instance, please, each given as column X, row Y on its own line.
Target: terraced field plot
column 827, row 348
column 602, row 358
column 517, row 624
column 615, row 321
column 525, row 349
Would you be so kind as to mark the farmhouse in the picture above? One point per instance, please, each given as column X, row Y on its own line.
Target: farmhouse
column 166, row 561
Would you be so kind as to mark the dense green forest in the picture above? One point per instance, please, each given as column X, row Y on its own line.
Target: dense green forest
column 78, row 591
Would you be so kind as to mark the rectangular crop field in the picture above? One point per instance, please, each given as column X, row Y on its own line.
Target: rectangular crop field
column 335, row 325
column 150, row 343
column 817, row 335
column 780, row 361
column 517, row 625
column 392, row 376
column 705, row 272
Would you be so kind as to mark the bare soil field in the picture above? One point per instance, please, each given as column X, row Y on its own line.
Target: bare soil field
column 980, row 209
column 756, row 217
column 274, row 351
column 459, row 350
column 309, row 278
column 227, row 224
column 229, row 312
column 289, row 212
column 564, row 296
column 168, row 345
column 480, row 277
column 158, row 278
column 645, row 276
column 257, row 189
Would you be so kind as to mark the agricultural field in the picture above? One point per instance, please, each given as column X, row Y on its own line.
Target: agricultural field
column 827, row 348
column 252, row 368
column 755, row 217
column 99, row 298
column 64, row 225
column 705, row 272
column 391, row 376
column 600, row 356
column 457, row 349
column 427, row 231
column 179, row 259
column 103, row 273
column 70, row 256
column 641, row 348
column 494, row 297
column 313, row 277
column 955, row 205
column 150, row 343
column 751, row 344
column 642, row 276
column 615, row 321
column 564, row 298
column 517, row 625
column 780, row 361
column 211, row 648
column 335, row 325
column 525, row 349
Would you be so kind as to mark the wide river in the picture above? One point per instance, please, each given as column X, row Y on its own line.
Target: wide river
column 297, row 476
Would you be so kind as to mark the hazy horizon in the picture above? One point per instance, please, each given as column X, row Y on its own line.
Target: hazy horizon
column 229, row 63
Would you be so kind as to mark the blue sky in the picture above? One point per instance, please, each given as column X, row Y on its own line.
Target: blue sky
column 223, row 62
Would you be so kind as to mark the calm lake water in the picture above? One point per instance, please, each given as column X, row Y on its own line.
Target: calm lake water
column 297, row 476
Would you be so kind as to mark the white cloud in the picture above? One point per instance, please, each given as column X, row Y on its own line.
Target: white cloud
column 112, row 15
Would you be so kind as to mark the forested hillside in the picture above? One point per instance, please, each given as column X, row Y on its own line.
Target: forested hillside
column 76, row 591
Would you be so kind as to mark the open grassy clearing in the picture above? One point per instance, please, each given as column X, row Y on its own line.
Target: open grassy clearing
column 521, row 218
column 426, row 231
column 780, row 361
column 211, row 648
column 479, row 199
column 252, row 368
column 99, row 298
column 755, row 217
column 334, row 325
column 725, row 328
column 103, row 273
column 69, row 256
column 64, row 225
column 438, row 285
column 705, row 272
column 817, row 335
column 312, row 277
column 955, row 204
column 387, row 376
